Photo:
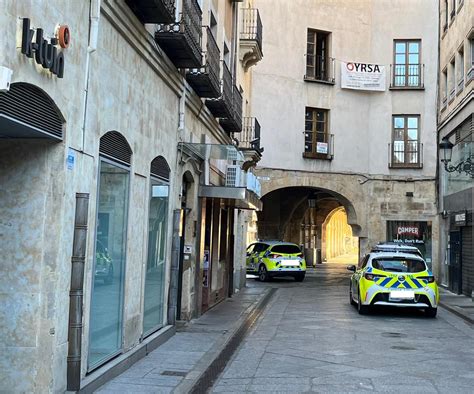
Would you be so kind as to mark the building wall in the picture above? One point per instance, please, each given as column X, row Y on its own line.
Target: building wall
column 133, row 89
column 362, row 31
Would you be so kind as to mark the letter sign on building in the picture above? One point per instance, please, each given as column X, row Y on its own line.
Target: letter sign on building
column 45, row 53
column 363, row 76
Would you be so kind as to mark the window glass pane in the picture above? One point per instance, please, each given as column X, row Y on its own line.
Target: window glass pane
column 309, row 114
column 156, row 262
column 413, row 59
column 320, row 115
column 308, row 147
column 400, row 47
column 287, row 249
column 107, row 292
column 398, row 122
column 308, row 125
column 398, row 135
column 308, row 137
column 412, row 123
column 311, row 36
column 319, row 126
column 414, row 47
column 400, row 59
column 412, row 134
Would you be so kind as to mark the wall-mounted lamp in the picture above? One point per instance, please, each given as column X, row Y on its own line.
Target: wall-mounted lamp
column 466, row 165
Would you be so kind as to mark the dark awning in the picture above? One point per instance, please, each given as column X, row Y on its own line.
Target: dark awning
column 238, row 197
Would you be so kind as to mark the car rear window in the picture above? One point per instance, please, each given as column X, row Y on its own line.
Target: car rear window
column 399, row 265
column 287, row 249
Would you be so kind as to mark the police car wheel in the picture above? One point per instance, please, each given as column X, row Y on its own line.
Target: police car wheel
column 262, row 273
column 431, row 312
column 362, row 309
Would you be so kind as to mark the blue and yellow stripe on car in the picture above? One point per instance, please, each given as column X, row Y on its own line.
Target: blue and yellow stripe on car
column 395, row 283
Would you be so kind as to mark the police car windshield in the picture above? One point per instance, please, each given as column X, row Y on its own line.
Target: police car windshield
column 398, row 264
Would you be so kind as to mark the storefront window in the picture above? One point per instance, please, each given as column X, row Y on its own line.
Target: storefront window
column 412, row 233
column 109, row 266
column 155, row 269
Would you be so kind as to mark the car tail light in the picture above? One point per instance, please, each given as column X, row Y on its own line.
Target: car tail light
column 373, row 276
column 430, row 279
column 300, row 255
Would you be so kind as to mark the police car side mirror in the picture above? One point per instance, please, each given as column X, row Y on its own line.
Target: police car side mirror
column 351, row 268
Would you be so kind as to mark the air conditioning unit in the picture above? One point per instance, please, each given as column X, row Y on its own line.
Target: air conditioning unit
column 233, row 176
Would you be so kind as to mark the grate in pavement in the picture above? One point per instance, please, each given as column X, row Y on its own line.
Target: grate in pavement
column 174, row 373
column 393, row 335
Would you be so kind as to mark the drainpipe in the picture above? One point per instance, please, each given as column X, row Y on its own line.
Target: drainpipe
column 76, row 293
column 94, row 16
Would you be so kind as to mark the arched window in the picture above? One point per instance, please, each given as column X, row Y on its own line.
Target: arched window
column 154, row 309
column 110, row 249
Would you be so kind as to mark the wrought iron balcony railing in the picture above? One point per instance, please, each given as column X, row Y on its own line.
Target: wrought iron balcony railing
column 403, row 154
column 320, row 68
column 250, row 136
column 221, row 107
column 252, row 28
column 251, row 33
column 205, row 80
column 233, row 124
column 407, row 76
column 181, row 40
column 153, row 11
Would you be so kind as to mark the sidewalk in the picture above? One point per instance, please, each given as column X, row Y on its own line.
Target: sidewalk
column 460, row 305
column 178, row 364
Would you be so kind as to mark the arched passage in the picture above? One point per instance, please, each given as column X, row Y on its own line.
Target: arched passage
column 338, row 243
column 297, row 214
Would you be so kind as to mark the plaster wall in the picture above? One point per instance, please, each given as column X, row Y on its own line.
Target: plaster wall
column 361, row 31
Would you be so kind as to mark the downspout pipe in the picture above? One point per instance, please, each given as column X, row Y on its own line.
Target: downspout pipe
column 94, row 18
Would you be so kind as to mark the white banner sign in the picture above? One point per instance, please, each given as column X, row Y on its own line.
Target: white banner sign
column 363, row 76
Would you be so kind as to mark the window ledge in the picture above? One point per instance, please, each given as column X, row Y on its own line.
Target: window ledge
column 320, row 156
column 406, row 88
column 415, row 166
column 306, row 79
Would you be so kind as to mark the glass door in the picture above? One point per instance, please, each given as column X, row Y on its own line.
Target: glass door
column 106, row 317
column 155, row 268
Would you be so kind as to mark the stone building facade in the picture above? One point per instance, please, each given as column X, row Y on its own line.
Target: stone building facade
column 456, row 126
column 333, row 143
column 120, row 128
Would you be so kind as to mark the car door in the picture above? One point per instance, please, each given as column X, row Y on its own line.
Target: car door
column 357, row 275
column 250, row 251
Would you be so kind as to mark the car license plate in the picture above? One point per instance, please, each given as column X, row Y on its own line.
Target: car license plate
column 290, row 263
column 402, row 295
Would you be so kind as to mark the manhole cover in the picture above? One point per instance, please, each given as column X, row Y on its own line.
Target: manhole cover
column 174, row 373
column 393, row 335
column 402, row 348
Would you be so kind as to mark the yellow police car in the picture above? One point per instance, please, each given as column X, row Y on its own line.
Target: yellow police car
column 269, row 259
column 393, row 279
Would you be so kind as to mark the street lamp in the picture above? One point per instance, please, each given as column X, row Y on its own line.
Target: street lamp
column 466, row 166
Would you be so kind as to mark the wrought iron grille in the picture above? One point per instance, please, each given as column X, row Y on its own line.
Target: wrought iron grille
column 252, row 28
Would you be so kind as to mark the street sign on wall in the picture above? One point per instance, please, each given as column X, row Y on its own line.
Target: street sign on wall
column 363, row 76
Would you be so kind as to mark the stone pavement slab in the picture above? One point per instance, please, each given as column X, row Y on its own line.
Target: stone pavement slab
column 176, row 365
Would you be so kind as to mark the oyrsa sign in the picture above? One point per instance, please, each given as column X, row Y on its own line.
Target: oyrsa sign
column 363, row 76
column 45, row 53
column 408, row 230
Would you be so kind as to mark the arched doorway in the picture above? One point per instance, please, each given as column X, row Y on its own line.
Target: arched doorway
column 297, row 214
column 338, row 243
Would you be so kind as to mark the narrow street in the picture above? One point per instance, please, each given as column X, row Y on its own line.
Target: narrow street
column 310, row 338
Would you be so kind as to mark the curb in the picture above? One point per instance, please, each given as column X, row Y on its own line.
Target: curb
column 215, row 360
column 454, row 311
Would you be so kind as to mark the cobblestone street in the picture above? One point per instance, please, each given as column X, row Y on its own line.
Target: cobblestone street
column 311, row 339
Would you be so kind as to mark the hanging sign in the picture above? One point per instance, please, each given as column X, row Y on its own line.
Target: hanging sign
column 322, row 147
column 45, row 53
column 363, row 76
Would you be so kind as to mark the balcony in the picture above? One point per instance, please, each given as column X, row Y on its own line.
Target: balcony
column 153, row 11
column 233, row 123
column 460, row 86
column 320, row 69
column 181, row 40
column 205, row 80
column 470, row 75
column 407, row 76
column 250, row 137
column 251, row 37
column 452, row 94
column 409, row 156
column 221, row 107
column 318, row 145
